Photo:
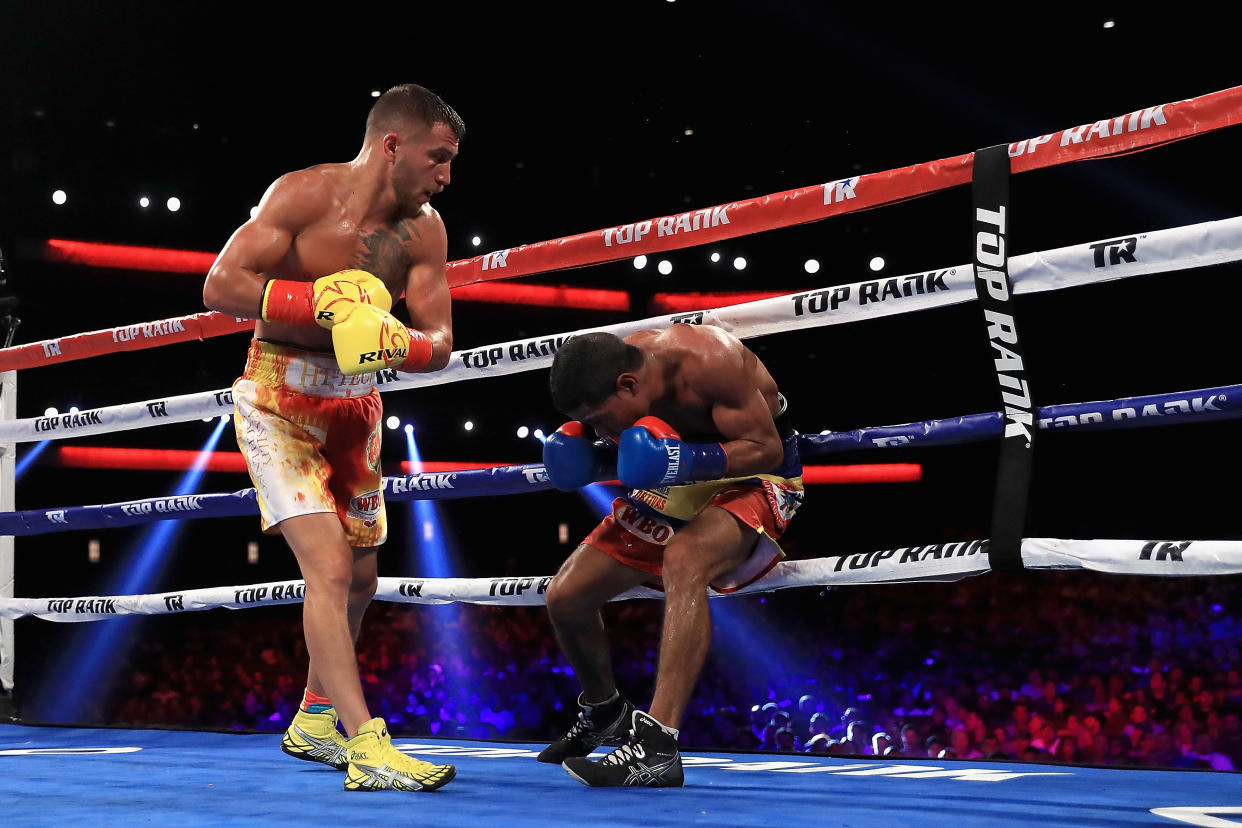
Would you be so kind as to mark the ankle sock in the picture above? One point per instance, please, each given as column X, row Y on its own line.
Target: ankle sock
column 314, row 703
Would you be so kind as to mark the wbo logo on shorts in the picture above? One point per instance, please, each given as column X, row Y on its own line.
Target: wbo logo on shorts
column 366, row 507
column 642, row 526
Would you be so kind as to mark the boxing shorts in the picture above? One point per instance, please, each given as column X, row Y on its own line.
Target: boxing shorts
column 311, row 438
column 643, row 521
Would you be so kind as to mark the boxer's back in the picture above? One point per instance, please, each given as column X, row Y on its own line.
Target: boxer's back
column 696, row 358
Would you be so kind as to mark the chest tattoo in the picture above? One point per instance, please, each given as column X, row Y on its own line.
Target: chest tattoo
column 384, row 253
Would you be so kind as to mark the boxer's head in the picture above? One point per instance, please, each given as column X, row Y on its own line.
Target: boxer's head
column 417, row 134
column 595, row 378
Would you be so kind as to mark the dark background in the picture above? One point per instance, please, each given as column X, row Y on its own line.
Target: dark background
column 576, row 117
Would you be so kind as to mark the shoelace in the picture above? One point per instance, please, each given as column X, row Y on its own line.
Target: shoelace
column 625, row 753
column 395, row 759
column 579, row 727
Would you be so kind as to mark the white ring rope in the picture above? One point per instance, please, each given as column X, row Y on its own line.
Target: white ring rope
column 937, row 562
column 1160, row 251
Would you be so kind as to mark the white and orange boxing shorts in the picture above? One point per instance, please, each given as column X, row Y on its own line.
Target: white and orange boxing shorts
column 311, row 438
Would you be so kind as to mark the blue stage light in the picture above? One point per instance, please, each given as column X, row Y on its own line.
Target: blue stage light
column 430, row 554
column 28, row 458
column 89, row 661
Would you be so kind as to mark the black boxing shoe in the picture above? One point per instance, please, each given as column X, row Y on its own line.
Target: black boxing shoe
column 650, row 758
column 607, row 723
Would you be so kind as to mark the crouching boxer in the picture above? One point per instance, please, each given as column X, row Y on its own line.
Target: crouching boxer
column 693, row 424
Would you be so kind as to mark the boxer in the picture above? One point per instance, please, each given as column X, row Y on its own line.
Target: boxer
column 696, row 428
column 317, row 266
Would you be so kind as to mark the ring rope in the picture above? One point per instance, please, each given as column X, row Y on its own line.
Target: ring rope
column 936, row 562
column 1132, row 132
column 1140, row 254
column 1206, row 404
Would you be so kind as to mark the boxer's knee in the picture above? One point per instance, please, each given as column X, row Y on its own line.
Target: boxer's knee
column 362, row 590
column 566, row 603
column 683, row 568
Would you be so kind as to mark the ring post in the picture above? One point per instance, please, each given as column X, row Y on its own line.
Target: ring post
column 990, row 195
column 8, row 476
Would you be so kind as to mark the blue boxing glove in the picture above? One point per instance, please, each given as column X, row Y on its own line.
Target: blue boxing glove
column 573, row 461
column 653, row 454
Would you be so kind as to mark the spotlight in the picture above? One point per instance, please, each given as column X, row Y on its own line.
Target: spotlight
column 715, row 257
column 468, row 425
column 640, row 262
column 173, row 204
column 392, row 423
column 409, row 429
column 59, row 197
column 538, row 434
column 73, row 409
column 254, row 211
column 92, row 550
column 375, row 93
column 252, row 553
column 144, row 202
column 739, row 263
column 224, row 418
column 1110, row 23
column 523, row 432
column 476, row 241
column 665, row 267
column 876, row 263
column 207, row 419
column 687, row 131
column 50, row 412
column 811, row 266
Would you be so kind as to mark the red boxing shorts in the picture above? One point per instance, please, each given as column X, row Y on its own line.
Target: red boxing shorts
column 311, row 438
column 644, row 521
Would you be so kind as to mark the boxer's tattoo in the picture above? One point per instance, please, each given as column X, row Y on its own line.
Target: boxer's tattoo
column 386, row 256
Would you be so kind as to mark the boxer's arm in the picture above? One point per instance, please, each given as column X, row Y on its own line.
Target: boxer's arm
column 427, row 295
column 235, row 282
column 652, row 453
column 739, row 411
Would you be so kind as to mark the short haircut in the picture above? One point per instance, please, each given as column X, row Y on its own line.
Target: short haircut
column 586, row 367
column 410, row 103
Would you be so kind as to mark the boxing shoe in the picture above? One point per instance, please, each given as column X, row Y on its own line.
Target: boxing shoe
column 314, row 737
column 375, row 765
column 606, row 723
column 650, row 758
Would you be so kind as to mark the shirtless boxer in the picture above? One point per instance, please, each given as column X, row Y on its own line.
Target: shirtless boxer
column 318, row 266
column 697, row 430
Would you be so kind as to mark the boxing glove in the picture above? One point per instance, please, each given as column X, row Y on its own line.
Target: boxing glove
column 573, row 461
column 370, row 339
column 325, row 301
column 653, row 454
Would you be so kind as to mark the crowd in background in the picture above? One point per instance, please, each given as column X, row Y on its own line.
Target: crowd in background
column 1059, row 667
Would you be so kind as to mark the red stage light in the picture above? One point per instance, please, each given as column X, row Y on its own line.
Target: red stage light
column 83, row 457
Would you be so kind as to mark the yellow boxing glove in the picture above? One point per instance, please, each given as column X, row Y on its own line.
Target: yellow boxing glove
column 326, row 301
column 371, row 339
column 337, row 295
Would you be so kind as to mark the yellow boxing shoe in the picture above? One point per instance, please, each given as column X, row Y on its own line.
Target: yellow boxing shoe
column 374, row 764
column 314, row 737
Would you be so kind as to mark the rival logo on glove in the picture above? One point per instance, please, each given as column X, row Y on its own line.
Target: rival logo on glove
column 385, row 356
